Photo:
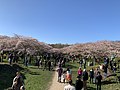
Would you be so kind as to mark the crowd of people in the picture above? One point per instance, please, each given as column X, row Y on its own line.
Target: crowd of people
column 82, row 78
column 94, row 75
column 48, row 61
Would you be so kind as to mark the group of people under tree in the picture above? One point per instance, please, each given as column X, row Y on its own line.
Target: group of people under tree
column 66, row 75
column 28, row 59
column 48, row 61
column 96, row 75
column 82, row 78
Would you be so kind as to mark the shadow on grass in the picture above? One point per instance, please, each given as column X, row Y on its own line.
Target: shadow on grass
column 91, row 88
column 34, row 67
column 7, row 73
column 112, row 75
column 70, row 66
column 88, row 88
column 34, row 73
column 108, row 82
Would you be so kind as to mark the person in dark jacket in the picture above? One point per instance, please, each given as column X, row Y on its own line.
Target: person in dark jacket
column 60, row 71
column 49, row 65
column 91, row 75
column 98, row 81
column 79, row 83
column 105, row 70
column 85, row 78
column 111, row 64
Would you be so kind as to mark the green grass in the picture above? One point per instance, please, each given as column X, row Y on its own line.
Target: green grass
column 38, row 79
column 109, row 82
column 34, row 78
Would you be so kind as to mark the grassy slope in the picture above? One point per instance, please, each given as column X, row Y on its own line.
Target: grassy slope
column 110, row 82
column 38, row 79
column 7, row 74
column 35, row 79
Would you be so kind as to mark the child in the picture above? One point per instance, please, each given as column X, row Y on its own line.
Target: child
column 68, row 75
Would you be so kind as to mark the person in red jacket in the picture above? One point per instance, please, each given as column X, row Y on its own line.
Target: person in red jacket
column 80, row 72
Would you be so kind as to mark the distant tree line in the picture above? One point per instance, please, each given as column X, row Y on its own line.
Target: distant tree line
column 59, row 45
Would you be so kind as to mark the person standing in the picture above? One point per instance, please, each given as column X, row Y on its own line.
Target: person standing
column 91, row 75
column 79, row 83
column 45, row 65
column 10, row 58
column 68, row 75
column 105, row 70
column 111, row 64
column 64, row 76
column 49, row 65
column 80, row 72
column 98, row 81
column 81, row 62
column 85, row 78
column 84, row 62
column 52, row 65
column 69, row 86
column 60, row 71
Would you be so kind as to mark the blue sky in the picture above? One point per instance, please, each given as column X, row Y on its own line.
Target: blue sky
column 61, row 21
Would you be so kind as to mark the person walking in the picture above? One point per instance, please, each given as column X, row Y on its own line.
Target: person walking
column 69, row 86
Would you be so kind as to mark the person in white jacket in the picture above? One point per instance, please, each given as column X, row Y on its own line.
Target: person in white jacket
column 69, row 86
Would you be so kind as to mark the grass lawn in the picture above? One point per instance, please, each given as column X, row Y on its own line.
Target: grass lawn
column 37, row 79
column 109, row 83
column 34, row 78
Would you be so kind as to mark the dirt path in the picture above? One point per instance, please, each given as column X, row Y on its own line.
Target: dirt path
column 56, row 85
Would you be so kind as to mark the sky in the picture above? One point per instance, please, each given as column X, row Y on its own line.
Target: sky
column 61, row 21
